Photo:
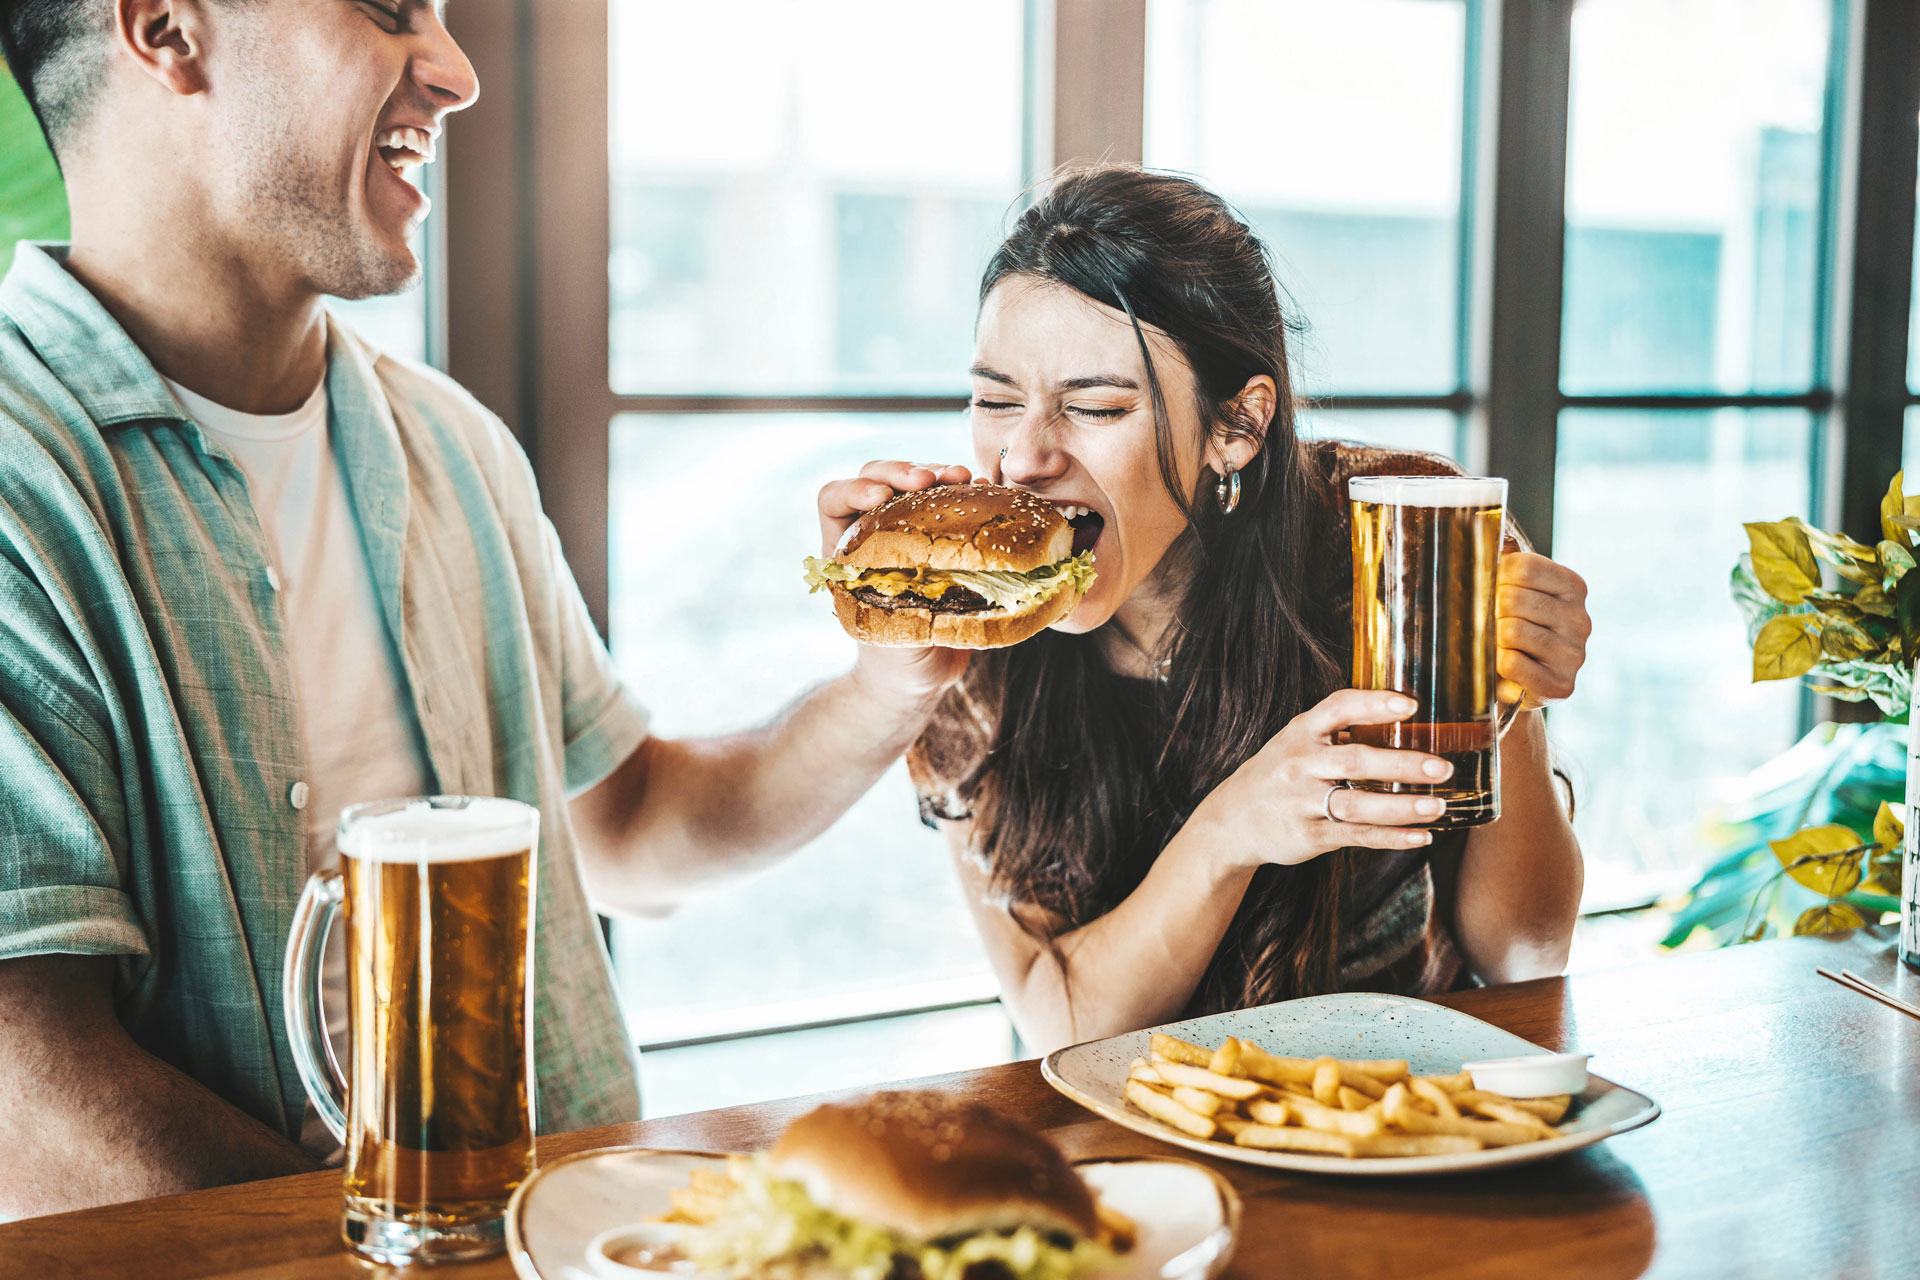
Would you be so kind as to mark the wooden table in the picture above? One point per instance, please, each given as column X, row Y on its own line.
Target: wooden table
column 1790, row 1147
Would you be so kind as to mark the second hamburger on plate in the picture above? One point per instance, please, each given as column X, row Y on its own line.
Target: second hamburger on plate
column 965, row 566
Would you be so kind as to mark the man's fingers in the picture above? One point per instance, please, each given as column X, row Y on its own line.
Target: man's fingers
column 1354, row 762
column 1349, row 707
column 1533, row 676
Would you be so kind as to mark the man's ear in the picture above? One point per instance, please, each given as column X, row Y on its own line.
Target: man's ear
column 1251, row 412
column 165, row 39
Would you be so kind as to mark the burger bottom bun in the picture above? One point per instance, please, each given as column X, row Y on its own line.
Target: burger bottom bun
column 921, row 628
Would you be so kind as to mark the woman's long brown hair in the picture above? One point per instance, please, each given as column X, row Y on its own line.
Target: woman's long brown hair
column 1079, row 777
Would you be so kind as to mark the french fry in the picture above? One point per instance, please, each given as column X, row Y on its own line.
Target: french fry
column 693, row 1205
column 712, row 1181
column 1352, row 1099
column 1298, row 1090
column 1261, row 1065
column 1505, row 1111
column 1552, row 1110
column 1452, row 1084
column 1271, row 1111
column 1145, row 1072
column 1427, row 1091
column 1231, row 1125
column 1414, row 1144
column 1167, row 1111
column 1361, row 1082
column 1492, row 1133
column 1198, row 1101
column 1226, row 1059
column 1235, row 1087
column 1385, row 1070
column 1175, row 1049
column 1270, row 1138
column 1354, row 1124
column 1326, row 1082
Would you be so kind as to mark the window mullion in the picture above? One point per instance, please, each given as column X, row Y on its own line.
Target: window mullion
column 1099, row 79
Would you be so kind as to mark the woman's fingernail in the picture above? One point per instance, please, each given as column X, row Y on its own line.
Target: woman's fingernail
column 1420, row 837
column 1428, row 808
column 1436, row 768
column 1402, row 705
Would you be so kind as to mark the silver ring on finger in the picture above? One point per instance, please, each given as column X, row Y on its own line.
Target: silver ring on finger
column 1326, row 801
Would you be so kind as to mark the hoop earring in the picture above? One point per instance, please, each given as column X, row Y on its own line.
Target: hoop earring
column 1227, row 492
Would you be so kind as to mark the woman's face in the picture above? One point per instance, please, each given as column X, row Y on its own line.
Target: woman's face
column 1059, row 383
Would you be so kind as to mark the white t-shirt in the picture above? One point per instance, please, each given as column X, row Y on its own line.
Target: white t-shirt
column 361, row 735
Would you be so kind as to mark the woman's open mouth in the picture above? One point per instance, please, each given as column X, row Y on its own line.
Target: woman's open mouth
column 1087, row 524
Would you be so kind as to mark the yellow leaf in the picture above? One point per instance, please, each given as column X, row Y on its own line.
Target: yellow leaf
column 1845, row 641
column 1828, row 917
column 1894, row 504
column 1884, row 871
column 1825, row 859
column 1783, row 560
column 1788, row 646
column 1890, row 825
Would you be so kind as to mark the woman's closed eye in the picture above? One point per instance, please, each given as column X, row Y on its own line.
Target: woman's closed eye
column 996, row 406
column 1098, row 412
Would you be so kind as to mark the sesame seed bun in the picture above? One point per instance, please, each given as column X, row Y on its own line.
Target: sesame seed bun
column 958, row 526
column 927, row 1166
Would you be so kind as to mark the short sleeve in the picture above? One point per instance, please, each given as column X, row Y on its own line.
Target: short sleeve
column 602, row 722
column 64, row 843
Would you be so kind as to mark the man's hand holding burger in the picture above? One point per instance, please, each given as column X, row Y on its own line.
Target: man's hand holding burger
column 897, row 675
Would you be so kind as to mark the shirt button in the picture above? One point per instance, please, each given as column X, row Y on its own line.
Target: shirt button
column 273, row 577
column 297, row 795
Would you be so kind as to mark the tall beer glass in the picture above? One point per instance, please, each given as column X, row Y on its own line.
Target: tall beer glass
column 1426, row 558
column 435, row 1108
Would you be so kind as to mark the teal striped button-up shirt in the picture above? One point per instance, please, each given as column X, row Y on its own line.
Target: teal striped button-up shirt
column 149, row 735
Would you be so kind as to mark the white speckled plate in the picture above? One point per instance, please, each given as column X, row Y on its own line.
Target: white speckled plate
column 1433, row 1038
column 1188, row 1216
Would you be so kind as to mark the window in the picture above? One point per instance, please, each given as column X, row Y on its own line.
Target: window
column 1693, row 249
column 1336, row 130
column 799, row 228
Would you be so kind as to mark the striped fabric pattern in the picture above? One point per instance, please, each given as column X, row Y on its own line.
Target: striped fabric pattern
column 149, row 736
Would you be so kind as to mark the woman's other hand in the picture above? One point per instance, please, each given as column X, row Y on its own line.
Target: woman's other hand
column 1542, row 627
column 1290, row 802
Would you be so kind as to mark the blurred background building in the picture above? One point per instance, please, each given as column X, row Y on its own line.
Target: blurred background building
column 704, row 257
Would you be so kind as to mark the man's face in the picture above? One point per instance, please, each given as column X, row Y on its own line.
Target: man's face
column 320, row 107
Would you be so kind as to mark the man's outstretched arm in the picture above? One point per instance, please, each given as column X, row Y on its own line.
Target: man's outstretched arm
column 678, row 815
column 87, row 1117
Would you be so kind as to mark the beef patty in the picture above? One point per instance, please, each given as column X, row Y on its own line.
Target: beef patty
column 952, row 600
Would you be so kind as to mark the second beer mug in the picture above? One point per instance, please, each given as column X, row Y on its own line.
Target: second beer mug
column 1426, row 560
column 435, row 1109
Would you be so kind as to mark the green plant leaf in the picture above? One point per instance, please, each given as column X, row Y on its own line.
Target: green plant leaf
column 1890, row 825
column 1783, row 560
column 1844, row 640
column 1828, row 917
column 1824, row 859
column 1895, row 563
column 1788, row 646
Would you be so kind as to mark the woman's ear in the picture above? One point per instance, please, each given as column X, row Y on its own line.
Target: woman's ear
column 1250, row 412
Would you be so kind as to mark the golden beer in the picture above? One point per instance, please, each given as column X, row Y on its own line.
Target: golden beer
column 437, row 1114
column 1426, row 560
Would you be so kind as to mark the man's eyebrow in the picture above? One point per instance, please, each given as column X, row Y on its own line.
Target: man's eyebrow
column 1100, row 380
column 993, row 375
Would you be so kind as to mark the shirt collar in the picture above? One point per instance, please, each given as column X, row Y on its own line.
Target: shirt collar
column 80, row 342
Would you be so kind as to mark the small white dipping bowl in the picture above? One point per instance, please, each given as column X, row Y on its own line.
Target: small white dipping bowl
column 605, row 1250
column 1538, row 1075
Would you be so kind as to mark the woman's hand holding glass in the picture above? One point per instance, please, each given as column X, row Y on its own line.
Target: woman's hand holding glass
column 1290, row 802
column 1542, row 629
column 909, row 674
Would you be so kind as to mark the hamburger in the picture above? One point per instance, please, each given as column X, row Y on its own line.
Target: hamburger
column 906, row 1185
column 966, row 566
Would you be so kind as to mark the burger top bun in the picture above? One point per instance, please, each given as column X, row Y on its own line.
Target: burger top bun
column 958, row 526
column 927, row 1166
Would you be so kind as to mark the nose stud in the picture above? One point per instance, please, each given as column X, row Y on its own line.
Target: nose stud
column 1003, row 453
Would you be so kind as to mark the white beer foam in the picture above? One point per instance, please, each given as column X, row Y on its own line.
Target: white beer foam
column 1428, row 491
column 422, row 833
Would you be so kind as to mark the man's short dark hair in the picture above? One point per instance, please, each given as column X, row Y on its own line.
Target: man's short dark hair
column 56, row 49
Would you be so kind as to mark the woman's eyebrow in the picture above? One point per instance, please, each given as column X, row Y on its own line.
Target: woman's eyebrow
column 993, row 375
column 1099, row 380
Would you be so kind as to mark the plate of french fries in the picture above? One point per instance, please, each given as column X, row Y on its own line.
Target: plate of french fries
column 1345, row 1084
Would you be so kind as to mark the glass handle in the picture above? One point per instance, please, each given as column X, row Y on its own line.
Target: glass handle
column 300, row 997
column 1512, row 538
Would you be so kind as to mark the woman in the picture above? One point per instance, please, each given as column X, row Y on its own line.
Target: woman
column 1145, row 803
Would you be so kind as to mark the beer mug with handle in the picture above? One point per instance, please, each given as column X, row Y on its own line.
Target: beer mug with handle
column 1426, row 565
column 435, row 1106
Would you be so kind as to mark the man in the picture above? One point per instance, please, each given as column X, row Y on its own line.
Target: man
column 252, row 570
